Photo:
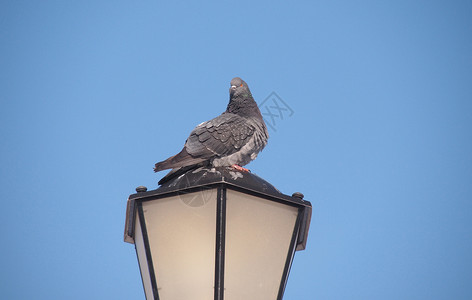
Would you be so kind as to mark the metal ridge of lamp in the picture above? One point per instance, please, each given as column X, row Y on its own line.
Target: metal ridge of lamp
column 216, row 234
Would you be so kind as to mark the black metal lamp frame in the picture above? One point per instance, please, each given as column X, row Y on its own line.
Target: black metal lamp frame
column 249, row 184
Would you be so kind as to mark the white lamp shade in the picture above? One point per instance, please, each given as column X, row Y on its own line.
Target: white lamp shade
column 258, row 237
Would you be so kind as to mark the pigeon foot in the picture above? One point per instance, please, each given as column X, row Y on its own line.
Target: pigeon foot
column 239, row 168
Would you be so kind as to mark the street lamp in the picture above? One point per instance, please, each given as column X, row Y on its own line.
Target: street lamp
column 216, row 234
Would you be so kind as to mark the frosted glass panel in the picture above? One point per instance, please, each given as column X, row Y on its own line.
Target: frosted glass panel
column 143, row 266
column 258, row 235
column 181, row 231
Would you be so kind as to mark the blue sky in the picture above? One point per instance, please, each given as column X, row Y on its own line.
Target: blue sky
column 93, row 93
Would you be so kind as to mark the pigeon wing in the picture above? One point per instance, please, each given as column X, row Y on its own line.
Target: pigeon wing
column 221, row 136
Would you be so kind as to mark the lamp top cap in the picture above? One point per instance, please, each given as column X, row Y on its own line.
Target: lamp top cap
column 205, row 176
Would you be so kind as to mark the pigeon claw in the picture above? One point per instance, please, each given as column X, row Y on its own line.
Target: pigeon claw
column 239, row 168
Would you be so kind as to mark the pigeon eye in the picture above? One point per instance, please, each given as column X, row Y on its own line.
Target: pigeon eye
column 241, row 84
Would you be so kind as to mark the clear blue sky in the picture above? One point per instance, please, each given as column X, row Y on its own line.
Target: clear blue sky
column 93, row 93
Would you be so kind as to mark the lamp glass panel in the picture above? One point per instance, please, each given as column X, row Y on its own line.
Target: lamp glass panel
column 142, row 260
column 181, row 231
column 258, row 235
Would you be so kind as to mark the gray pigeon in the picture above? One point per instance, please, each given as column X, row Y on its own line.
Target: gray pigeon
column 232, row 139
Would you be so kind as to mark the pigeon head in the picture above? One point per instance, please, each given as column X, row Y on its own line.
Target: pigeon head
column 239, row 88
column 241, row 101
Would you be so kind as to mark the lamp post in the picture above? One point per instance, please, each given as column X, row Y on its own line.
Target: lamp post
column 216, row 234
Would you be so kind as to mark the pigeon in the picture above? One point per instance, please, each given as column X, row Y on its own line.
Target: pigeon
column 233, row 139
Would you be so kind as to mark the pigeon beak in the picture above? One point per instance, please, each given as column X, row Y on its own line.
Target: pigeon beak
column 232, row 90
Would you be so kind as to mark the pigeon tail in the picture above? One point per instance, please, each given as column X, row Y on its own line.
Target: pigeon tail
column 183, row 158
column 174, row 173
